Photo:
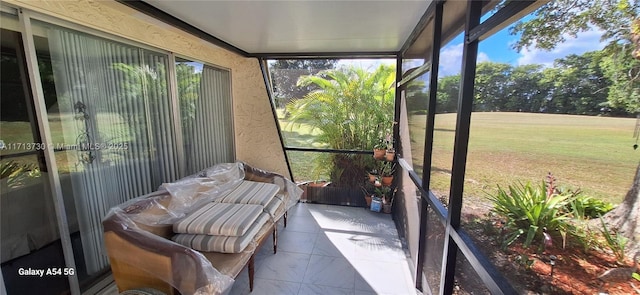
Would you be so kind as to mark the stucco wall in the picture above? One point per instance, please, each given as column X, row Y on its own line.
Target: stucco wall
column 256, row 134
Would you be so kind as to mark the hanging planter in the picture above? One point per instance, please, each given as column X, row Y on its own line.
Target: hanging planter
column 373, row 175
column 379, row 154
column 390, row 154
column 387, row 170
column 387, row 180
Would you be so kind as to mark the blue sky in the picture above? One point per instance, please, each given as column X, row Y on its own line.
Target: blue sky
column 498, row 48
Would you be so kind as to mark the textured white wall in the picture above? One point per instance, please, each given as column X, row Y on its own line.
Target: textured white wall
column 256, row 134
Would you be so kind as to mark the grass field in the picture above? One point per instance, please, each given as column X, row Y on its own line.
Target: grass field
column 593, row 154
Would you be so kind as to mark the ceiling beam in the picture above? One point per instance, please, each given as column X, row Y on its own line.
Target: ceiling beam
column 169, row 19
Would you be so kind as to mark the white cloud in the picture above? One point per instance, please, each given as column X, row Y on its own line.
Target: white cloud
column 482, row 57
column 451, row 59
column 369, row 64
column 584, row 42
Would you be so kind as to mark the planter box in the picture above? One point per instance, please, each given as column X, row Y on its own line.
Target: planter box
column 330, row 195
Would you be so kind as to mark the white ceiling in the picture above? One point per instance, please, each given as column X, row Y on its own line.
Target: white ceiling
column 302, row 26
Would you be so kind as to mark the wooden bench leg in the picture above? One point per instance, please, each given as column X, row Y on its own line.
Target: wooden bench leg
column 251, row 271
column 275, row 239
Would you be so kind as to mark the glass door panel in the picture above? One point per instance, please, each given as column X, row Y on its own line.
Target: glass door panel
column 110, row 119
column 29, row 233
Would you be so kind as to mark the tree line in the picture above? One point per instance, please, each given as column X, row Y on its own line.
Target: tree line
column 594, row 83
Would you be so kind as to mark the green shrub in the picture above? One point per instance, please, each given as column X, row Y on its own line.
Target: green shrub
column 527, row 209
column 585, row 207
column 615, row 241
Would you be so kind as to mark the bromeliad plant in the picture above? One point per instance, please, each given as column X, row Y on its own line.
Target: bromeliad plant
column 527, row 209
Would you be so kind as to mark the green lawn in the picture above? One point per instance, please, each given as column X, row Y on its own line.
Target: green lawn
column 593, row 154
column 111, row 126
column 301, row 135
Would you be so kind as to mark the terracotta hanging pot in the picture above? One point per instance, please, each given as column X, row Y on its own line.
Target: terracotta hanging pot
column 379, row 154
column 390, row 155
column 387, row 180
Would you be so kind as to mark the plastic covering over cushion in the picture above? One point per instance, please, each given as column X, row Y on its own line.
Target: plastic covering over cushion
column 141, row 259
column 250, row 192
column 275, row 208
column 137, row 233
column 219, row 219
column 222, row 243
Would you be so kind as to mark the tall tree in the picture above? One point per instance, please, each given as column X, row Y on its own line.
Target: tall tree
column 448, row 91
column 579, row 84
column 491, row 85
column 527, row 90
column 557, row 19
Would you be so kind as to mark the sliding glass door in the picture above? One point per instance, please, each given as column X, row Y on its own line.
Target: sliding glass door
column 112, row 124
column 120, row 120
column 29, row 232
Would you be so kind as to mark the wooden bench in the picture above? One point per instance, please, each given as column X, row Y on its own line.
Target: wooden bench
column 142, row 254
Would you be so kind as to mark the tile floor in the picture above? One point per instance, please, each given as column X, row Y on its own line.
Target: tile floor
column 330, row 250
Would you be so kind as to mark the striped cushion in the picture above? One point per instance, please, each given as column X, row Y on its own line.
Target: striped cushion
column 275, row 208
column 251, row 192
column 219, row 219
column 223, row 244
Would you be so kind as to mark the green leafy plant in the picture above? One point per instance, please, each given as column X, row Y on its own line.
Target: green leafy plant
column 524, row 261
column 614, row 241
column 386, row 168
column 350, row 107
column 527, row 209
column 584, row 235
column 383, row 192
column 380, row 145
column 585, row 207
column 636, row 276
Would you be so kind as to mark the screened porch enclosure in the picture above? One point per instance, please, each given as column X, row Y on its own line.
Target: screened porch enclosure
column 129, row 111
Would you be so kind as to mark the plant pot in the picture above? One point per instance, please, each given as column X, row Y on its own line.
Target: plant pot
column 368, row 199
column 387, row 180
column 390, row 155
column 379, row 154
column 386, row 208
column 376, row 204
column 320, row 183
column 373, row 177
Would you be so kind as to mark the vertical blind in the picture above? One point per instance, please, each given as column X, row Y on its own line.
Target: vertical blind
column 207, row 115
column 115, row 112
